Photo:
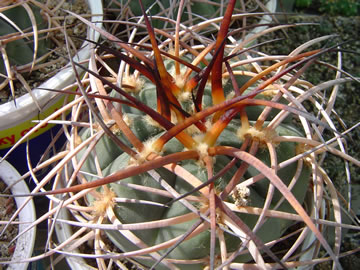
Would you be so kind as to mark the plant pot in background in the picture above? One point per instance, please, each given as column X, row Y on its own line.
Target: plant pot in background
column 63, row 232
column 16, row 118
column 25, row 243
column 271, row 7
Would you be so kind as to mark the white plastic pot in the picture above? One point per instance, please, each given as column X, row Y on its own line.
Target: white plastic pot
column 16, row 118
column 271, row 7
column 25, row 243
column 265, row 19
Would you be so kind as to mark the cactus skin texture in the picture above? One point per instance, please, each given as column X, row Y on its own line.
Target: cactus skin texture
column 113, row 159
column 178, row 121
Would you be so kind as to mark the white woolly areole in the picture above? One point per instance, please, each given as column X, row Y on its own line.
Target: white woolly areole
column 265, row 135
column 202, row 148
column 184, row 95
column 132, row 83
column 105, row 201
column 148, row 149
column 241, row 195
column 179, row 81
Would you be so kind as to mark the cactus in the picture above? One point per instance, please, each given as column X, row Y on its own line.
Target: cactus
column 114, row 159
column 198, row 162
column 32, row 35
column 20, row 52
column 15, row 21
column 234, row 134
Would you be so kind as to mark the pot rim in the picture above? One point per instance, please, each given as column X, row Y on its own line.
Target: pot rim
column 25, row 243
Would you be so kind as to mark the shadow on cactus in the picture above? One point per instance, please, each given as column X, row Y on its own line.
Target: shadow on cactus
column 201, row 156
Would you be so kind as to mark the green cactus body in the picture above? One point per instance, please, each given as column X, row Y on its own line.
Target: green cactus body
column 21, row 51
column 113, row 159
column 188, row 152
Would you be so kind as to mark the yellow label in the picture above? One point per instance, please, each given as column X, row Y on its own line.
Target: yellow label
column 10, row 136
